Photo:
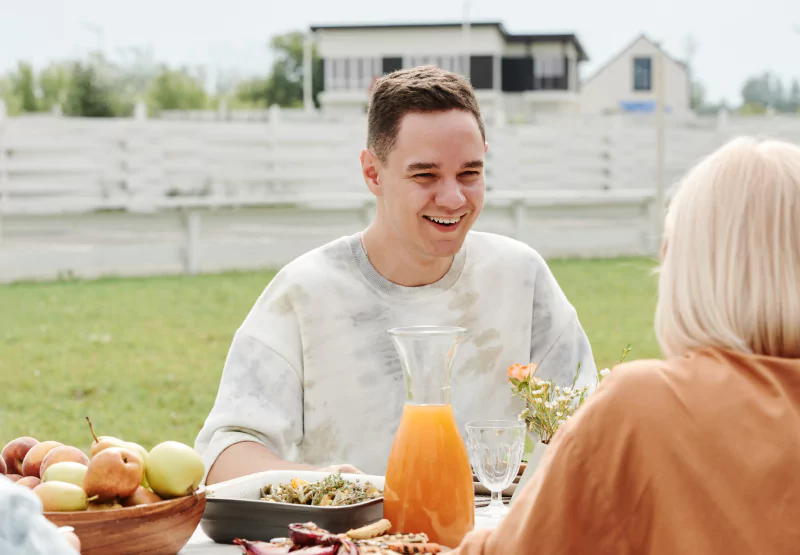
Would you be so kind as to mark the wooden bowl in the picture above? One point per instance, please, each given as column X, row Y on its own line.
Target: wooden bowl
column 161, row 528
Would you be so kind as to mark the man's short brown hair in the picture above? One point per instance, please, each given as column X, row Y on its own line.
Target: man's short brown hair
column 419, row 89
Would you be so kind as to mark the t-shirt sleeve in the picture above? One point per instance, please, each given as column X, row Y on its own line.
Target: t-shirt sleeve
column 260, row 396
column 558, row 341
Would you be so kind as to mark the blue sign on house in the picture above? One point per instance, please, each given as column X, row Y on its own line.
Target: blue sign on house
column 640, row 106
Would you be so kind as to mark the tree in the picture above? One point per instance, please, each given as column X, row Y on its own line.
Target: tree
column 768, row 89
column 284, row 85
column 54, row 83
column 176, row 89
column 88, row 96
column 134, row 73
column 13, row 104
column 794, row 96
column 23, row 86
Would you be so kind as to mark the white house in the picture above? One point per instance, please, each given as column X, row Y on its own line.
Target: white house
column 628, row 82
column 515, row 74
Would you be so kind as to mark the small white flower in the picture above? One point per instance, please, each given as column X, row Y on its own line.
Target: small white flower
column 567, row 390
column 605, row 372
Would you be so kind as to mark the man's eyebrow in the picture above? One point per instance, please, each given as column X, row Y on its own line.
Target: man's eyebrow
column 417, row 166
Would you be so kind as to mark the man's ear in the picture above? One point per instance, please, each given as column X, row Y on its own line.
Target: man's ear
column 369, row 169
column 485, row 147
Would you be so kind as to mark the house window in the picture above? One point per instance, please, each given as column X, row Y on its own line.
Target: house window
column 351, row 74
column 517, row 74
column 481, row 72
column 550, row 74
column 642, row 74
column 392, row 64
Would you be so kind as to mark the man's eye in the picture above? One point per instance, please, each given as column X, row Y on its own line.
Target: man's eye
column 425, row 175
column 471, row 174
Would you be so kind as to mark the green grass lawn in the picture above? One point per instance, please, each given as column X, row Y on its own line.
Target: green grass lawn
column 143, row 357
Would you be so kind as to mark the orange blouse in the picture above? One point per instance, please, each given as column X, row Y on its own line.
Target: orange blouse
column 696, row 455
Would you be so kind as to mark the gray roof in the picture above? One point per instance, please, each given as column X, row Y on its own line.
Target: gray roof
column 524, row 38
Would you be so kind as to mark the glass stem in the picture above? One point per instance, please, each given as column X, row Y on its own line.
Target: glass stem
column 497, row 501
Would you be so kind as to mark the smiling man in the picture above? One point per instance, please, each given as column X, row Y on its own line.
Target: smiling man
column 312, row 379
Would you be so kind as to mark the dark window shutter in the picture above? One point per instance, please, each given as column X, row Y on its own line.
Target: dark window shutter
column 481, row 72
column 392, row 64
column 517, row 74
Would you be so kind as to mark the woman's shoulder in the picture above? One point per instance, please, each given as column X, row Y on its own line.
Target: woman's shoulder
column 632, row 394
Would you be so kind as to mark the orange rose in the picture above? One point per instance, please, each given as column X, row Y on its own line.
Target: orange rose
column 521, row 373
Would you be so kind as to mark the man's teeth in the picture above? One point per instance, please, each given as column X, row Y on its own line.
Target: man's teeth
column 445, row 221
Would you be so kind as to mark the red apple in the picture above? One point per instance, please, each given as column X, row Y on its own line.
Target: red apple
column 3, row 468
column 29, row 481
column 64, row 453
column 14, row 453
column 33, row 460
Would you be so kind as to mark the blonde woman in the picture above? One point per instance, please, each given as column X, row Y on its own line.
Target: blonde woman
column 699, row 453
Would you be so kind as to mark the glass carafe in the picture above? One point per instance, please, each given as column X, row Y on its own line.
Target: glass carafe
column 429, row 487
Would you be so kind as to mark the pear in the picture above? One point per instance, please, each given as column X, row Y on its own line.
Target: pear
column 142, row 496
column 174, row 469
column 70, row 472
column 61, row 496
column 113, row 473
column 103, row 442
column 142, row 452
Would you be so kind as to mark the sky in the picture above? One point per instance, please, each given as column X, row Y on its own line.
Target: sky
column 734, row 40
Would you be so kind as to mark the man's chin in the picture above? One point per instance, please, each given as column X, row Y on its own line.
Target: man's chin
column 445, row 248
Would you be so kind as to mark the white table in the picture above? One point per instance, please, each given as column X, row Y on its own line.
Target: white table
column 200, row 544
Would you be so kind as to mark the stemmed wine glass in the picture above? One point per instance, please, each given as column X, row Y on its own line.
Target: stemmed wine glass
column 495, row 449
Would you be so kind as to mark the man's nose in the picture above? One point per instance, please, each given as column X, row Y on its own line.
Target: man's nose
column 449, row 194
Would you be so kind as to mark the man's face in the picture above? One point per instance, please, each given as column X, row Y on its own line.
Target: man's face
column 430, row 190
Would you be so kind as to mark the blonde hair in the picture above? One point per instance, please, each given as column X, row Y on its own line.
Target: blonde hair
column 730, row 272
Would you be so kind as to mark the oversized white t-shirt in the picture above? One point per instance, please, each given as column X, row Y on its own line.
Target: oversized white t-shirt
column 313, row 375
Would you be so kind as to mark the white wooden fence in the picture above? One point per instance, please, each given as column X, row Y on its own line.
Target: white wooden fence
column 92, row 197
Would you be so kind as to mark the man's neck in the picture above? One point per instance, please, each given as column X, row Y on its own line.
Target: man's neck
column 397, row 264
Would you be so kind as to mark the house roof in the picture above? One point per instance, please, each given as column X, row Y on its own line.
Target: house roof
column 531, row 38
column 628, row 46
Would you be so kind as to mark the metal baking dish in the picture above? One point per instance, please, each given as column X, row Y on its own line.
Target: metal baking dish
column 234, row 510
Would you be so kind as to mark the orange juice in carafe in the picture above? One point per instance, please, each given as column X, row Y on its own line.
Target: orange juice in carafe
column 429, row 487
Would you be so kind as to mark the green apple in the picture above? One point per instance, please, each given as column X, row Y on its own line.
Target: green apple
column 69, row 472
column 174, row 469
column 61, row 496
